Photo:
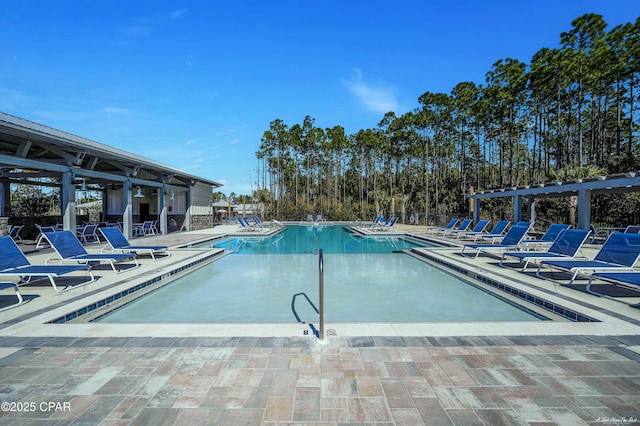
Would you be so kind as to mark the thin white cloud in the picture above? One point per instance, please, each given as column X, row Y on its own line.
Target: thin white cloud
column 138, row 31
column 178, row 13
column 377, row 98
column 235, row 141
column 111, row 111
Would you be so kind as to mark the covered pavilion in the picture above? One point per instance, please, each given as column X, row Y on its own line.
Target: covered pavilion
column 35, row 154
column 584, row 189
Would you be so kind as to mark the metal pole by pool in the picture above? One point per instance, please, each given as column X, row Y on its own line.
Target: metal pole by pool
column 321, row 296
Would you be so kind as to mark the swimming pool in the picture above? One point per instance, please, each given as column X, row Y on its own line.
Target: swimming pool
column 376, row 284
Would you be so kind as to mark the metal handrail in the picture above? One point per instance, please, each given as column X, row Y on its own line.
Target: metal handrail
column 293, row 305
column 321, row 295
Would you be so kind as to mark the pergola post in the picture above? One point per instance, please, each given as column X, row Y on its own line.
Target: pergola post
column 584, row 208
column 517, row 208
column 476, row 210
column 532, row 209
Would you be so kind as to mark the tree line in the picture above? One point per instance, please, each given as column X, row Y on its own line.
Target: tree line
column 570, row 110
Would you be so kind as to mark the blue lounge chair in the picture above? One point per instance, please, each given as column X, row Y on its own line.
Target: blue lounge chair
column 510, row 241
column 451, row 225
column 625, row 278
column 464, row 226
column 497, row 231
column 619, row 253
column 319, row 218
column 18, row 295
column 40, row 238
column 632, row 229
column 88, row 233
column 14, row 232
column 565, row 247
column 309, row 218
column 68, row 249
column 13, row 263
column 498, row 238
column 387, row 225
column 548, row 238
column 478, row 229
column 117, row 241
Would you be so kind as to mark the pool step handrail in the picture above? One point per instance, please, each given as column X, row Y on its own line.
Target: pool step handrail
column 293, row 305
column 321, row 294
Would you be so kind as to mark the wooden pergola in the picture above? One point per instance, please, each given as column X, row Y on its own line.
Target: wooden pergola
column 30, row 151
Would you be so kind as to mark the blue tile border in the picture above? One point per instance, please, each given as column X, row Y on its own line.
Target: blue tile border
column 555, row 308
column 93, row 306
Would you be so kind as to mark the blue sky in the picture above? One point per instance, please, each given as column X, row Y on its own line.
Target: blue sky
column 194, row 84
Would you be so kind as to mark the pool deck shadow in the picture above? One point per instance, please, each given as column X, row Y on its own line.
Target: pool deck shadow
column 550, row 372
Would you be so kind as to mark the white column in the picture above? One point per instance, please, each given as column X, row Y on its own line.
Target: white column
column 162, row 209
column 68, row 202
column 127, row 214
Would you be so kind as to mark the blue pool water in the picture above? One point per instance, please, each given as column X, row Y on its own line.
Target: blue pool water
column 365, row 280
column 302, row 240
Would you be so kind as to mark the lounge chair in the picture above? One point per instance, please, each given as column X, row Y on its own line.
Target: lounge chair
column 619, row 253
column 478, row 229
column 148, row 228
column 13, row 263
column 548, row 238
column 510, row 241
column 626, row 278
column 498, row 238
column 14, row 232
column 451, row 225
column 88, row 233
column 40, row 238
column 18, row 295
column 309, row 218
column 117, row 241
column 632, row 229
column 390, row 223
column 68, row 249
column 464, row 226
column 497, row 231
column 565, row 247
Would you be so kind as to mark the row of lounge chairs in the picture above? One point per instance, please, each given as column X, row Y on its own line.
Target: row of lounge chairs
column 67, row 248
column 255, row 223
column 379, row 223
column 558, row 249
column 613, row 263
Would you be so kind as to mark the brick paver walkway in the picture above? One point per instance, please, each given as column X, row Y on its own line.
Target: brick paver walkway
column 251, row 381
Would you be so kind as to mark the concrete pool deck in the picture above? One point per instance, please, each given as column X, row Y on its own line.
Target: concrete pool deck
column 426, row 373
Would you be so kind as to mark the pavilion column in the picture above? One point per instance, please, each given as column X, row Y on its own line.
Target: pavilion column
column 68, row 202
column 187, row 217
column 5, row 198
column 517, row 209
column 127, row 214
column 162, row 208
column 584, row 208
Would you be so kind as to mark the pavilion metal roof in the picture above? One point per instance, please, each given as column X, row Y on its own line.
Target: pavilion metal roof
column 34, row 143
